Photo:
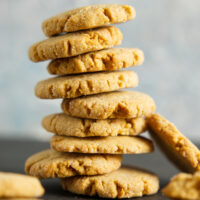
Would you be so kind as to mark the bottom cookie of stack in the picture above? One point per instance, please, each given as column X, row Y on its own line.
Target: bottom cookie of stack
column 125, row 182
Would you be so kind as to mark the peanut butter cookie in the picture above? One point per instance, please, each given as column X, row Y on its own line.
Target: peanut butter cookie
column 62, row 124
column 14, row 185
column 103, row 60
column 183, row 186
column 85, row 84
column 125, row 182
column 87, row 17
column 104, row 145
column 53, row 164
column 121, row 104
column 180, row 150
column 76, row 43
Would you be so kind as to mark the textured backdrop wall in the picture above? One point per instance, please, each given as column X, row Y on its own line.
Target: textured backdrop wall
column 167, row 32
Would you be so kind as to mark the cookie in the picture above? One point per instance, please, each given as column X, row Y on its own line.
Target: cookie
column 53, row 164
column 87, row 17
column 180, row 150
column 121, row 104
column 103, row 60
column 14, row 185
column 183, row 186
column 85, row 84
column 62, row 124
column 125, row 182
column 74, row 44
column 110, row 145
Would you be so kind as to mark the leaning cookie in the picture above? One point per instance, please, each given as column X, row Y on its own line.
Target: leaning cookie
column 74, row 44
column 62, row 124
column 183, row 186
column 53, row 164
column 87, row 17
column 125, row 182
column 85, row 84
column 180, row 150
column 103, row 60
column 102, row 145
column 14, row 185
column 120, row 104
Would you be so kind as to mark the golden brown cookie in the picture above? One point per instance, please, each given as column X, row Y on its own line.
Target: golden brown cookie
column 87, row 17
column 53, row 164
column 110, row 145
column 14, row 185
column 74, row 44
column 62, row 124
column 121, row 104
column 85, row 84
column 103, row 60
column 125, row 182
column 183, row 186
column 180, row 150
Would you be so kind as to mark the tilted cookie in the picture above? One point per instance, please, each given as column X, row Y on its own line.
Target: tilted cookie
column 85, row 84
column 103, row 60
column 121, row 104
column 53, row 164
column 125, row 182
column 87, row 17
column 110, row 145
column 74, row 44
column 14, row 185
column 62, row 124
column 180, row 150
column 183, row 186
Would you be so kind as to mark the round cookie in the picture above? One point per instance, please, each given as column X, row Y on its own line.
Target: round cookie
column 183, row 186
column 87, row 17
column 121, row 104
column 125, row 182
column 53, row 164
column 74, row 44
column 62, row 124
column 85, row 84
column 14, row 185
column 181, row 151
column 104, row 145
column 103, row 60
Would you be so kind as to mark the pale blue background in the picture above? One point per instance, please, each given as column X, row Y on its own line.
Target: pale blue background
column 167, row 31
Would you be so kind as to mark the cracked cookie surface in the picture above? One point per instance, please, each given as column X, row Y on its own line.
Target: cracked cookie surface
column 62, row 124
column 103, row 60
column 73, row 44
column 125, row 182
column 183, row 186
column 87, row 17
column 53, row 164
column 121, row 104
column 180, row 150
column 85, row 84
column 104, row 145
column 14, row 185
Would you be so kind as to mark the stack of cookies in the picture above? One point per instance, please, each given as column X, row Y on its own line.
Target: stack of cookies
column 98, row 123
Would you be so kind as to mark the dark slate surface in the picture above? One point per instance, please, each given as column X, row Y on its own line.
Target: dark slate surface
column 13, row 154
